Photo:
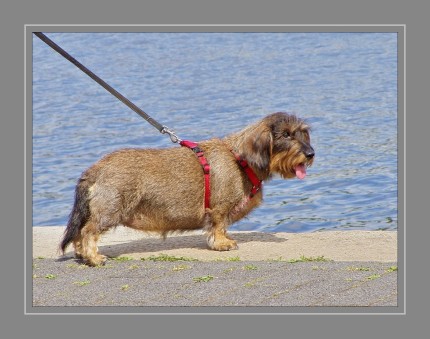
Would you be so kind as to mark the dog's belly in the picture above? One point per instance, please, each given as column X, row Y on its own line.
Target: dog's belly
column 163, row 221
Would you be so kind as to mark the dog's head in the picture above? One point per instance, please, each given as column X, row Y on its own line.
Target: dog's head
column 280, row 144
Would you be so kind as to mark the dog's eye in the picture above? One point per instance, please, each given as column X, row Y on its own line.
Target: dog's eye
column 287, row 134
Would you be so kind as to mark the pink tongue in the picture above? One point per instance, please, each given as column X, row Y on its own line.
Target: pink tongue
column 300, row 171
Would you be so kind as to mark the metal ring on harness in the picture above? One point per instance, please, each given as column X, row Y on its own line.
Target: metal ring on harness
column 173, row 137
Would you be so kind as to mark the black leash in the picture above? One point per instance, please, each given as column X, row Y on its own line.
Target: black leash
column 161, row 128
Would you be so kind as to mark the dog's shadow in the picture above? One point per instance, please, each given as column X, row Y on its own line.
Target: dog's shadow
column 157, row 245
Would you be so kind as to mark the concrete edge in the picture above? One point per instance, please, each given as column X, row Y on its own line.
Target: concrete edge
column 379, row 246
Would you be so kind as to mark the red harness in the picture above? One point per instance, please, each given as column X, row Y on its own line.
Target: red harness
column 205, row 165
column 256, row 183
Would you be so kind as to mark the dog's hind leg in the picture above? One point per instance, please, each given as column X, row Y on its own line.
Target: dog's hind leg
column 77, row 244
column 88, row 245
column 217, row 238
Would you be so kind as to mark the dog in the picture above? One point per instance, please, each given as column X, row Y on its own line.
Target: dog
column 163, row 190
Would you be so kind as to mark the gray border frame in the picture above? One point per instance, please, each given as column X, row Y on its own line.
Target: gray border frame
column 401, row 134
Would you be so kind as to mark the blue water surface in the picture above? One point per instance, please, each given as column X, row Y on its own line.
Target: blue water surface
column 211, row 84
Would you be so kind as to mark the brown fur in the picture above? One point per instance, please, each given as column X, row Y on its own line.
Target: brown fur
column 162, row 190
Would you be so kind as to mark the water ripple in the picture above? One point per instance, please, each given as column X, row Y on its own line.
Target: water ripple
column 207, row 85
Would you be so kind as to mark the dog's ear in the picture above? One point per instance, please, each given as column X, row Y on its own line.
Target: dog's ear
column 257, row 149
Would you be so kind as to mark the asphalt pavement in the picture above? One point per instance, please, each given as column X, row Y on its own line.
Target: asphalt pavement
column 165, row 282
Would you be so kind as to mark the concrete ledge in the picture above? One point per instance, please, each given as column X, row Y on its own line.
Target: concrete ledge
column 378, row 246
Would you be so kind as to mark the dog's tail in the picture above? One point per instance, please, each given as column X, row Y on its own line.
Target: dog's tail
column 79, row 215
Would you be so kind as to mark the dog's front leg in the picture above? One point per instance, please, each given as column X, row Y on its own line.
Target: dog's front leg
column 217, row 237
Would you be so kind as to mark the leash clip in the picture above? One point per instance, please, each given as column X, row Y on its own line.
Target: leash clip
column 173, row 137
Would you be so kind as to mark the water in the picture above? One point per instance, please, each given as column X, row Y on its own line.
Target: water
column 206, row 85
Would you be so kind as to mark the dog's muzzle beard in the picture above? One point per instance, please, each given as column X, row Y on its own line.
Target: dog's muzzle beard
column 293, row 162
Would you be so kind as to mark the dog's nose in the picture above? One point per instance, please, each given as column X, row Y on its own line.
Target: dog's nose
column 310, row 154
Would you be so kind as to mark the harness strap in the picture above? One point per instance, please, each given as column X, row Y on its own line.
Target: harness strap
column 205, row 166
column 256, row 183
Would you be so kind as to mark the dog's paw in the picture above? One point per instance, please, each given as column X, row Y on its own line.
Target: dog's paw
column 98, row 260
column 223, row 244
